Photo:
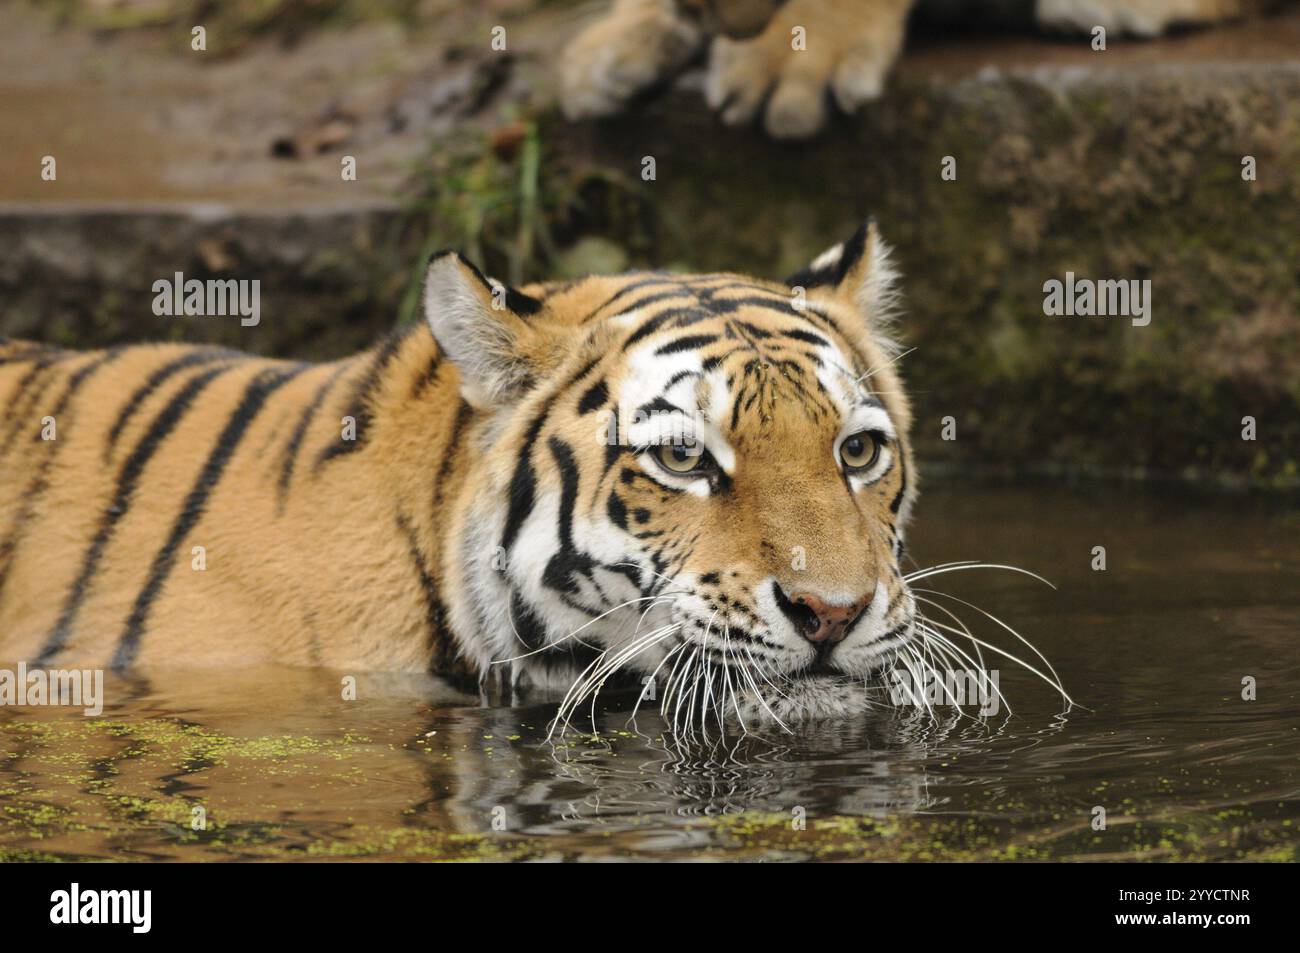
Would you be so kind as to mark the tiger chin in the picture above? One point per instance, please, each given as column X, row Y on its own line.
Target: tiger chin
column 695, row 481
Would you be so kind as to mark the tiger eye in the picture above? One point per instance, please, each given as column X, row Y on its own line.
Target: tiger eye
column 679, row 458
column 859, row 451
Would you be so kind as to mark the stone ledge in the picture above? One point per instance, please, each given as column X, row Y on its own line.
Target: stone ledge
column 1131, row 170
column 330, row 279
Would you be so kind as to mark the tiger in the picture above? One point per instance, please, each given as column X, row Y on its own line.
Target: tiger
column 695, row 477
column 786, row 59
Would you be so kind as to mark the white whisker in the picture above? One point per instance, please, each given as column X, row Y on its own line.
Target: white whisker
column 550, row 645
column 1033, row 648
column 592, row 678
column 893, row 360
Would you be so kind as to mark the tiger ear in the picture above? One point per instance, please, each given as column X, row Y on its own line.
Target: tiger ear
column 481, row 326
column 858, row 271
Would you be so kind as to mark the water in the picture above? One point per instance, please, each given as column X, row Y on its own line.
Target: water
column 1199, row 592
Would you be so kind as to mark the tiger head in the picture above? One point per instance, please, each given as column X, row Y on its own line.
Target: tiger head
column 695, row 481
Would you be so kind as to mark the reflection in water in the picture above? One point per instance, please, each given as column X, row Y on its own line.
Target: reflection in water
column 882, row 767
column 1154, row 651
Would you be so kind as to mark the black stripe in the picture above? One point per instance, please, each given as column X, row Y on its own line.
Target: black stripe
column 567, row 464
column 735, row 405
column 649, row 327
column 613, row 450
column 425, row 380
column 37, row 368
column 156, row 380
column 127, row 479
column 262, row 386
column 902, row 487
column 712, row 285
column 678, row 378
column 300, row 431
column 676, row 291
column 652, row 278
column 359, row 402
column 527, row 625
column 690, row 342
column 449, row 454
column 25, row 398
column 595, row 397
column 660, row 405
column 752, row 331
column 523, row 482
column 435, row 612
column 40, row 481
column 808, row 337
column 616, row 509
column 774, row 303
column 788, row 370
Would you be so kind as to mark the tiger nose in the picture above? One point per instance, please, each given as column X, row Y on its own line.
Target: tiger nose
column 816, row 620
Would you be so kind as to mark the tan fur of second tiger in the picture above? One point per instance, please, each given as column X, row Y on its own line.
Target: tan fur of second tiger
column 779, row 59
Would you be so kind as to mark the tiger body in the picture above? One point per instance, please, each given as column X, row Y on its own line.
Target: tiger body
column 161, row 449
column 501, row 507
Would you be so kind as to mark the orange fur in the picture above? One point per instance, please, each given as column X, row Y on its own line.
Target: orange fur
column 350, row 554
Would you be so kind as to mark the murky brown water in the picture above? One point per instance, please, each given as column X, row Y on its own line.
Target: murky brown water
column 1199, row 592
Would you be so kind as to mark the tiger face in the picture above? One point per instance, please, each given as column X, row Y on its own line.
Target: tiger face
column 697, row 482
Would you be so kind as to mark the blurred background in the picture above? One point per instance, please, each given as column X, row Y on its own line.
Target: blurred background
column 1124, row 164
